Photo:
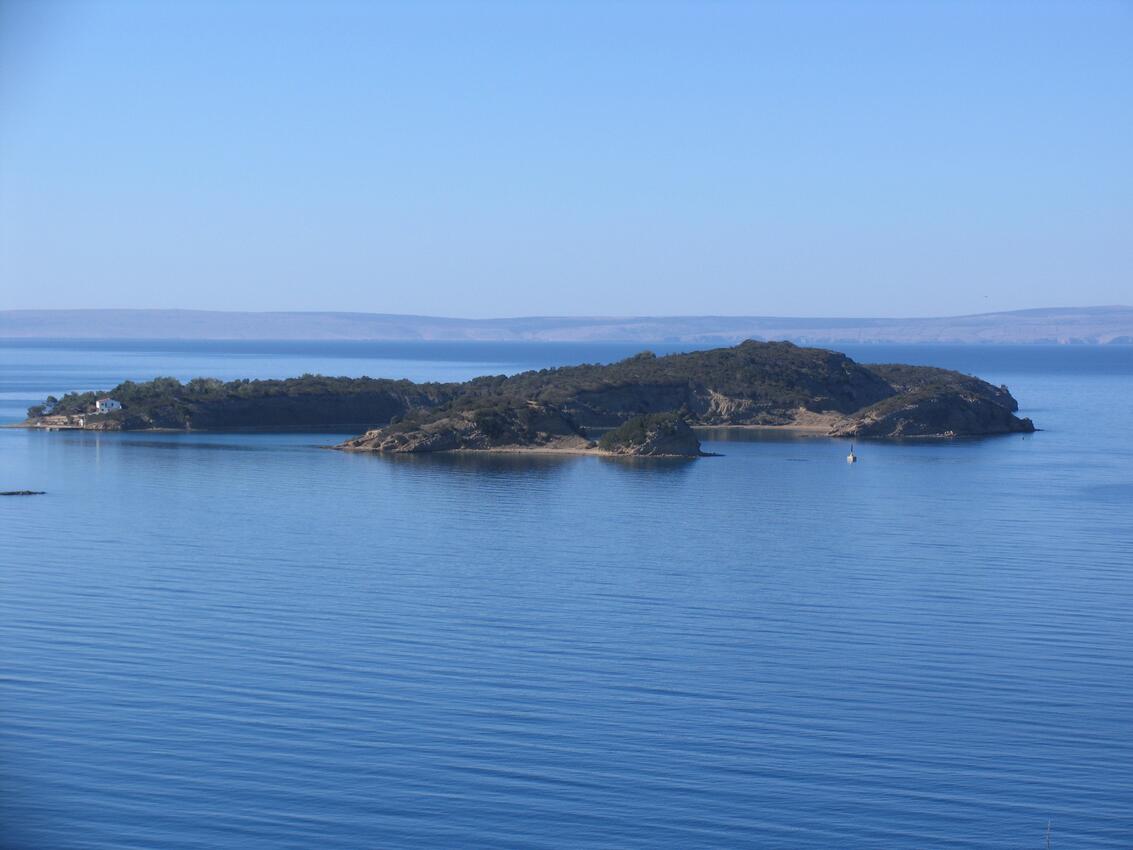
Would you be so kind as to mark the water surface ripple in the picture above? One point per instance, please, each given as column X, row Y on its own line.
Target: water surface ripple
column 218, row 640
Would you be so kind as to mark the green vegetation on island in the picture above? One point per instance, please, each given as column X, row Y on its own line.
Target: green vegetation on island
column 309, row 401
column 657, row 434
column 467, row 423
column 751, row 384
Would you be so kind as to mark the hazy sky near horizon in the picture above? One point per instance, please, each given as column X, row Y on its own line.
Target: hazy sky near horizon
column 497, row 159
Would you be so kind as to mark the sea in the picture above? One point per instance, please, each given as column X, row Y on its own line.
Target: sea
column 232, row 640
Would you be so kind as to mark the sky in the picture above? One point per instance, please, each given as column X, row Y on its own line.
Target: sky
column 610, row 158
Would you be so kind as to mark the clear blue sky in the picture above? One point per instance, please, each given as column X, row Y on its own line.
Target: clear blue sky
column 495, row 159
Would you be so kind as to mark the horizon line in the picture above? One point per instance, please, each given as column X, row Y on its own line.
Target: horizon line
column 600, row 317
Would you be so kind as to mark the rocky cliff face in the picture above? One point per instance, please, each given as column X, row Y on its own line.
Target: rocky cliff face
column 931, row 402
column 933, row 413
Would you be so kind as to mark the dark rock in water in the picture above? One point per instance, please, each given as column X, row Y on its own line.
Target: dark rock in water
column 482, row 424
column 23, row 493
column 653, row 435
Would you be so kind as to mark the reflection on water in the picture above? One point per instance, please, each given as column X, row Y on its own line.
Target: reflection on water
column 473, row 462
column 525, row 462
column 758, row 435
column 649, row 466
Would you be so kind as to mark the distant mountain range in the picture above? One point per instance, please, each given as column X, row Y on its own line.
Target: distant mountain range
column 1081, row 325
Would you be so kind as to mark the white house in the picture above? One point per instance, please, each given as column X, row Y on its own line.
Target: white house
column 107, row 405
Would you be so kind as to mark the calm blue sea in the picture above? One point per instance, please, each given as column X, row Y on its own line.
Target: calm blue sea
column 247, row 641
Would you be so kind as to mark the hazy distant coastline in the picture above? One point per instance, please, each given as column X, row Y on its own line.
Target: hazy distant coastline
column 1072, row 325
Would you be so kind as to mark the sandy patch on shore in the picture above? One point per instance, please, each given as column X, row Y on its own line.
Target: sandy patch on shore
column 805, row 421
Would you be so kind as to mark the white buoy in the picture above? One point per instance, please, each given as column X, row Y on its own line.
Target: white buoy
column 851, row 457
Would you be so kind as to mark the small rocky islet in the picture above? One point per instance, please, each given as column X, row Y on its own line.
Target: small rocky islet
column 644, row 405
column 505, row 425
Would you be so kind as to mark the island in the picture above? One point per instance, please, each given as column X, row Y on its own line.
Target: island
column 478, row 424
column 510, row 425
column 643, row 405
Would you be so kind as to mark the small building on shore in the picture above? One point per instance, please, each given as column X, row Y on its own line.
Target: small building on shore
column 107, row 405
